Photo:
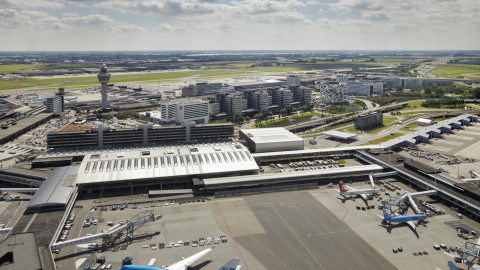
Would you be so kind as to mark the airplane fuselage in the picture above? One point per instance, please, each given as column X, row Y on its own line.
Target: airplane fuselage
column 406, row 218
column 359, row 192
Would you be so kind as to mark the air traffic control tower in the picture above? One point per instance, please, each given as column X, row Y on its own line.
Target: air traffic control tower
column 104, row 78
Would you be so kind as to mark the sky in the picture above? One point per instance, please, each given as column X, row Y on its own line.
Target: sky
column 89, row 25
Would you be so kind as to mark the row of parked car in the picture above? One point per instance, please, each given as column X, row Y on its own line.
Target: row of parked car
column 195, row 243
column 66, row 228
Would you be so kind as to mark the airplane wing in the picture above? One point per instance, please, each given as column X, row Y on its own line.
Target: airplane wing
column 364, row 196
column 181, row 265
column 351, row 188
column 231, row 265
column 411, row 224
column 371, row 181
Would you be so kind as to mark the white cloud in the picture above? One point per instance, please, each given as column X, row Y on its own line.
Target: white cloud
column 165, row 7
column 29, row 4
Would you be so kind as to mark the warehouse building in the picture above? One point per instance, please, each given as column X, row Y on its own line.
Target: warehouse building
column 271, row 140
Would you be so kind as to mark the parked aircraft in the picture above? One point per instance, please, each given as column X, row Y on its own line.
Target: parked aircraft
column 362, row 192
column 407, row 219
column 181, row 265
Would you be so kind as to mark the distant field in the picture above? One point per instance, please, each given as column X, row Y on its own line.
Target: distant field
column 143, row 77
column 7, row 69
column 458, row 71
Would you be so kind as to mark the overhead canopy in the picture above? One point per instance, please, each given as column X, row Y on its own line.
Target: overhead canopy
column 57, row 188
column 339, row 135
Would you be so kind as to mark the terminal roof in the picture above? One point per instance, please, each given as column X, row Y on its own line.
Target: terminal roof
column 339, row 134
column 164, row 162
column 57, row 188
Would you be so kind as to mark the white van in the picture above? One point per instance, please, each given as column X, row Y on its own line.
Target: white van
column 109, row 266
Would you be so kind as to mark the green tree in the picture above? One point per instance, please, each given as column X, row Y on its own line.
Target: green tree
column 258, row 116
column 476, row 92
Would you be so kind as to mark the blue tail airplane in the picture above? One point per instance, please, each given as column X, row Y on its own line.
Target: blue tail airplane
column 407, row 219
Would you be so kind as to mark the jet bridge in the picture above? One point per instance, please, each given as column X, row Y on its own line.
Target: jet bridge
column 130, row 225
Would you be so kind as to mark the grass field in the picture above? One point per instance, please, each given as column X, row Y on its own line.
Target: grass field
column 413, row 105
column 157, row 77
column 7, row 69
column 471, row 72
column 411, row 127
column 383, row 139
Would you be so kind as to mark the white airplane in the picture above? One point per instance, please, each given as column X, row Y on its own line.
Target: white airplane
column 362, row 192
column 183, row 264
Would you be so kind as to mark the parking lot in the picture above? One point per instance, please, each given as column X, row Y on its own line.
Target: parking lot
column 462, row 143
column 185, row 228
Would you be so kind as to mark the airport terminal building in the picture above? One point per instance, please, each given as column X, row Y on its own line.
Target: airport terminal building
column 167, row 167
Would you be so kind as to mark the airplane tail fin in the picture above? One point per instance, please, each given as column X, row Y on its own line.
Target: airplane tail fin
column 452, row 266
column 231, row 265
column 342, row 189
column 385, row 214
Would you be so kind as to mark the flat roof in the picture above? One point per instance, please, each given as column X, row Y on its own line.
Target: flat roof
column 22, row 124
column 56, row 189
column 24, row 252
column 286, row 176
column 270, row 135
column 339, row 134
column 163, row 162
column 75, row 128
column 9, row 151
column 315, row 151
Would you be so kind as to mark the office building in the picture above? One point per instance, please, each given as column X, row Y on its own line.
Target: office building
column 256, row 100
column 368, row 121
column 302, row 95
column 185, row 110
column 332, row 92
column 293, row 80
column 54, row 104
